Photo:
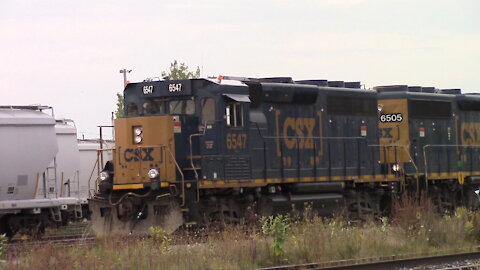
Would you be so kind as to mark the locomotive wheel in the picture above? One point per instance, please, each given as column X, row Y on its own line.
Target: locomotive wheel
column 444, row 200
column 363, row 207
column 221, row 213
column 5, row 228
column 37, row 230
column 472, row 200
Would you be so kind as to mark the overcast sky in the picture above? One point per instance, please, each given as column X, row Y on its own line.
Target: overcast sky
column 68, row 54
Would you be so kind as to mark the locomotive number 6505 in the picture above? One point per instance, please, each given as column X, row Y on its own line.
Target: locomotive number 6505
column 391, row 117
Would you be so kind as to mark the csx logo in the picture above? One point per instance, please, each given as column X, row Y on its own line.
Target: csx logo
column 298, row 127
column 386, row 133
column 470, row 133
column 143, row 154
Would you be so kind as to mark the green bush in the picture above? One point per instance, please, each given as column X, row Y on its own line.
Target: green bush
column 3, row 244
column 277, row 228
column 160, row 237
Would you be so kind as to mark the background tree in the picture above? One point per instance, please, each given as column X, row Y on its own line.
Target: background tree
column 119, row 112
column 180, row 72
column 176, row 72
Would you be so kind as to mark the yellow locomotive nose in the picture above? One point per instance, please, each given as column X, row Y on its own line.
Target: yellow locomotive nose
column 145, row 150
column 144, row 160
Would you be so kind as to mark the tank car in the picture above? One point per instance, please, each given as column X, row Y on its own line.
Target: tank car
column 201, row 150
column 34, row 159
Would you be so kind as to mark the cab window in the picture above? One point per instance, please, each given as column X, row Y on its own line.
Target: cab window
column 132, row 109
column 208, row 110
column 181, row 107
column 152, row 107
column 234, row 114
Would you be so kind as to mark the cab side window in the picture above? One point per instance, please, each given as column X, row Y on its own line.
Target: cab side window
column 208, row 110
column 234, row 114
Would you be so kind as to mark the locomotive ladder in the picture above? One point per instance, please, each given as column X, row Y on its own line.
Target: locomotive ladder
column 50, row 175
column 197, row 182
column 181, row 174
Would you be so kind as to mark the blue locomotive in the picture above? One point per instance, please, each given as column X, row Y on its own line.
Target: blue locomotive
column 201, row 150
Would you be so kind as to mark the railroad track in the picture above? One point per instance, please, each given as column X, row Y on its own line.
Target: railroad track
column 63, row 240
column 464, row 261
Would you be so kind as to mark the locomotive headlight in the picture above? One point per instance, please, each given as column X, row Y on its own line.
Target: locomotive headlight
column 138, row 139
column 137, row 131
column 137, row 134
column 396, row 167
column 153, row 173
column 103, row 176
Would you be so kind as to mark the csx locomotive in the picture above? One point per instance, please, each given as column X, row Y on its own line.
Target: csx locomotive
column 202, row 150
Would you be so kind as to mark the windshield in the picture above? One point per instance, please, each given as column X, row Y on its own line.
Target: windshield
column 152, row 107
column 181, row 107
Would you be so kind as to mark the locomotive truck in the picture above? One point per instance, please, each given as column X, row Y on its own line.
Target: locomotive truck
column 201, row 150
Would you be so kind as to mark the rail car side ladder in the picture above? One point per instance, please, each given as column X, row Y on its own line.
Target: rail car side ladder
column 50, row 180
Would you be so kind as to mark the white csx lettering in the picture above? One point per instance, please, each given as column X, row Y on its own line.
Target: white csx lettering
column 174, row 87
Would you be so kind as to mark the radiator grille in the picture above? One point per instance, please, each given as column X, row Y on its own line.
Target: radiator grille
column 237, row 168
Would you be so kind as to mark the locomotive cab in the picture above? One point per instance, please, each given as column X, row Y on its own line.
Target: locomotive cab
column 171, row 130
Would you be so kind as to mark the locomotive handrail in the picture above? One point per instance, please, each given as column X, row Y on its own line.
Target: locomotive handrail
column 197, row 199
column 90, row 178
column 312, row 137
column 97, row 165
column 191, row 148
column 102, row 140
column 417, row 174
column 407, row 152
column 181, row 174
column 163, row 152
column 425, row 157
column 329, row 153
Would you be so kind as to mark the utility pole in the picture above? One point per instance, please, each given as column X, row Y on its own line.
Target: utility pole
column 125, row 71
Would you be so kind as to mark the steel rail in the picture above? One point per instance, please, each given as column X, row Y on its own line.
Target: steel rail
column 389, row 262
column 65, row 242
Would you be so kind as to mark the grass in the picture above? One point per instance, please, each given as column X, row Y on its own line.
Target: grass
column 412, row 230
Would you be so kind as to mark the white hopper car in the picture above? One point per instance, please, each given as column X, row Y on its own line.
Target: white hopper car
column 39, row 171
